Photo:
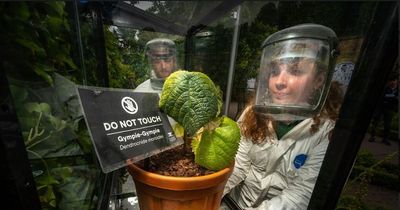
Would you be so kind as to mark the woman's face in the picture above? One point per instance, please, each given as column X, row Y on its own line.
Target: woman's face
column 293, row 80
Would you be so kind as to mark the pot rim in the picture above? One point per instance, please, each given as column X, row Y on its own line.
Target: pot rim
column 179, row 183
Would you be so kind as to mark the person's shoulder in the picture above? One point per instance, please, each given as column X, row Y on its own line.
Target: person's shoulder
column 243, row 114
column 144, row 87
column 327, row 125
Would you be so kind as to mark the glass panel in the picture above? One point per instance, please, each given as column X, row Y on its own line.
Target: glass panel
column 350, row 21
column 261, row 19
column 42, row 64
column 128, row 67
column 126, row 39
column 127, row 63
column 174, row 11
column 209, row 50
column 50, row 48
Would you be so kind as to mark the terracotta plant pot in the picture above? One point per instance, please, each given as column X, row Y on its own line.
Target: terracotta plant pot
column 156, row 192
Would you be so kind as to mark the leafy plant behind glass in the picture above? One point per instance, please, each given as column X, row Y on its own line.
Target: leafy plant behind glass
column 125, row 58
column 36, row 37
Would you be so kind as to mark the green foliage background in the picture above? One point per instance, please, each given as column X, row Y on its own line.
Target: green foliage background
column 40, row 55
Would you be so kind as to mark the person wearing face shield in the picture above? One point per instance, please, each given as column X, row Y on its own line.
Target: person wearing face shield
column 286, row 130
column 161, row 55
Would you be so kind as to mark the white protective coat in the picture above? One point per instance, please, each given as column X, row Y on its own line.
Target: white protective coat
column 145, row 87
column 265, row 176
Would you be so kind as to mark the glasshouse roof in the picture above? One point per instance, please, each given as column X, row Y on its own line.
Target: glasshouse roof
column 182, row 17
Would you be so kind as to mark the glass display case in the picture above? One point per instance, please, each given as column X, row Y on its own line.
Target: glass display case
column 49, row 47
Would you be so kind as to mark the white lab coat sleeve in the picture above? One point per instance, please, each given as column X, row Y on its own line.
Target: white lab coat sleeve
column 242, row 165
column 298, row 193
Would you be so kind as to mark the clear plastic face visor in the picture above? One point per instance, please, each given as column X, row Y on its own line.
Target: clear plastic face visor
column 292, row 78
column 162, row 61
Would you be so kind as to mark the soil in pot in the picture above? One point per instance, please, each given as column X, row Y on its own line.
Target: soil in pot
column 175, row 162
column 173, row 180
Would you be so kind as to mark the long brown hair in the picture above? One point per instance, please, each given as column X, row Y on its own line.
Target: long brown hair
column 256, row 126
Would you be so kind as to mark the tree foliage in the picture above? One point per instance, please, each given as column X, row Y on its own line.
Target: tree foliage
column 39, row 43
column 37, row 47
column 35, row 38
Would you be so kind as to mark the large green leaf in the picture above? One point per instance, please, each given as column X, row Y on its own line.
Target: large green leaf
column 55, row 8
column 42, row 70
column 38, row 107
column 34, row 47
column 22, row 11
column 19, row 94
column 215, row 149
column 191, row 99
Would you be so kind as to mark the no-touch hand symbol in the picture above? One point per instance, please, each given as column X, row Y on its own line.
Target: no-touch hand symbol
column 129, row 105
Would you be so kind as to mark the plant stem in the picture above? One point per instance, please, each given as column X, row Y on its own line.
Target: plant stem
column 186, row 143
column 146, row 164
column 34, row 132
column 387, row 158
column 363, row 176
column 41, row 159
column 38, row 142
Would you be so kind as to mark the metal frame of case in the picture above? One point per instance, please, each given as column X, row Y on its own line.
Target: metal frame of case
column 379, row 54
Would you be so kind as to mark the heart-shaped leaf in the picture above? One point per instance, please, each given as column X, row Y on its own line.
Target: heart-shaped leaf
column 191, row 99
column 215, row 149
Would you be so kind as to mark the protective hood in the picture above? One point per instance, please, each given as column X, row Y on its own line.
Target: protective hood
column 295, row 72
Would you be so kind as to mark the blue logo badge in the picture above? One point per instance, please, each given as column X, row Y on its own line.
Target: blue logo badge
column 299, row 160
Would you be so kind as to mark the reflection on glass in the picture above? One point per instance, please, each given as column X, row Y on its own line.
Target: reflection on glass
column 42, row 70
column 40, row 38
column 270, row 175
column 56, row 142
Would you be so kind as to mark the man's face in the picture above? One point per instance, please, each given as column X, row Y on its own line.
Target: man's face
column 393, row 83
column 293, row 81
column 163, row 63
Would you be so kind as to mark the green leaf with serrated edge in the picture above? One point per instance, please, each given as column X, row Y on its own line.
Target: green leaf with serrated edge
column 178, row 130
column 22, row 12
column 40, row 70
column 31, row 45
column 217, row 148
column 191, row 99
column 195, row 144
column 38, row 107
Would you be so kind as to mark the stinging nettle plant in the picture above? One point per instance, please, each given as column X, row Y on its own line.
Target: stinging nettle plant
column 194, row 101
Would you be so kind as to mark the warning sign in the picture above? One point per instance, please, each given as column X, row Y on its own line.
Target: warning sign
column 125, row 125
